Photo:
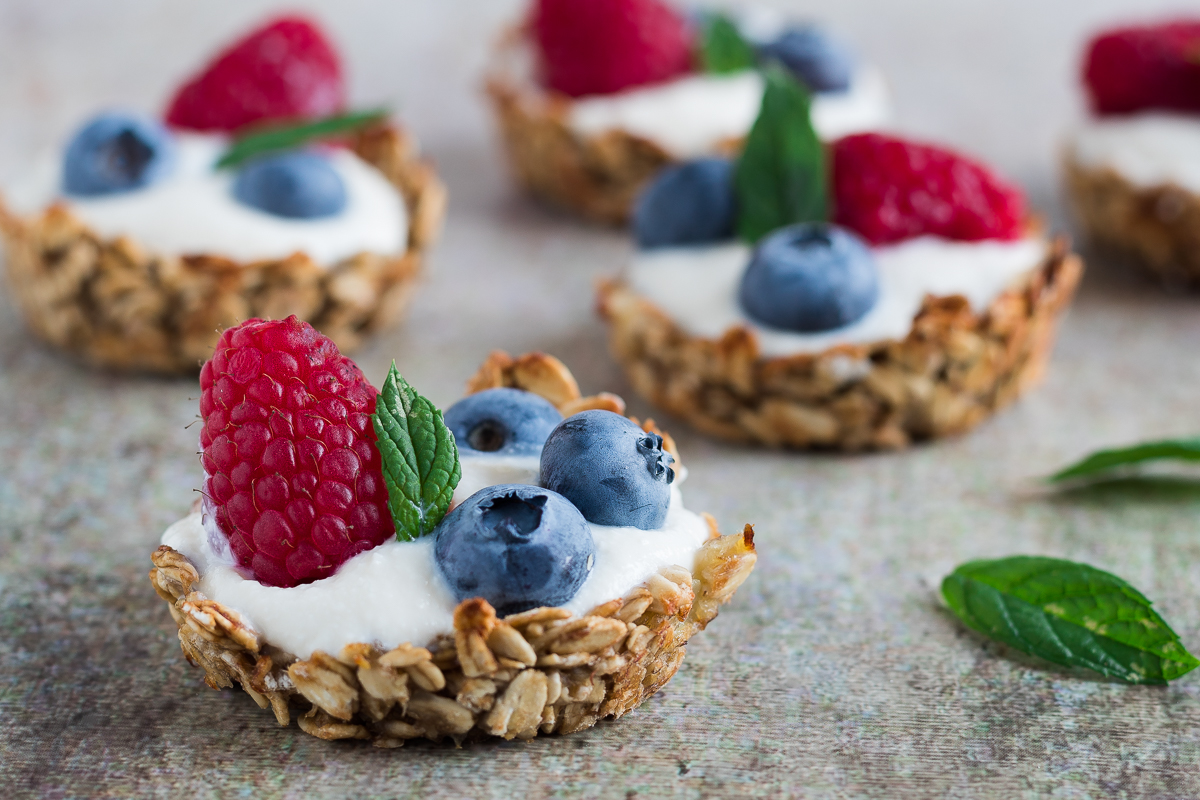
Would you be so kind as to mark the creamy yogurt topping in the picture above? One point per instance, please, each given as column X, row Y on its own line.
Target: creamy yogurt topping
column 193, row 211
column 689, row 117
column 394, row 593
column 1148, row 149
column 698, row 287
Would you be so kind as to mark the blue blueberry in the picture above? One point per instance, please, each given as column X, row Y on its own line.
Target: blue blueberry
column 824, row 64
column 612, row 470
column 810, row 277
column 516, row 546
column 503, row 421
column 690, row 203
column 295, row 184
column 117, row 152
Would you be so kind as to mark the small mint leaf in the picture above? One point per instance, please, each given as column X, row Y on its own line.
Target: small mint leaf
column 270, row 140
column 781, row 176
column 723, row 49
column 1070, row 614
column 1103, row 460
column 420, row 458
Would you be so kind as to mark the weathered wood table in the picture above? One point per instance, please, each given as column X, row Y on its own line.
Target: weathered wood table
column 835, row 672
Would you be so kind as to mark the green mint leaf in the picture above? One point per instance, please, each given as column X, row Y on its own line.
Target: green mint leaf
column 781, row 176
column 1102, row 460
column 1070, row 614
column 420, row 458
column 723, row 49
column 271, row 140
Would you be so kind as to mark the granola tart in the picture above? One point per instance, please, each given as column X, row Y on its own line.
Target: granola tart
column 907, row 294
column 954, row 369
column 112, row 303
column 592, row 152
column 1130, row 168
column 513, row 676
column 255, row 194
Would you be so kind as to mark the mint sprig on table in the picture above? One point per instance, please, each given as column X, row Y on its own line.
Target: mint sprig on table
column 270, row 140
column 1104, row 460
column 781, row 175
column 420, row 458
column 723, row 49
column 1070, row 614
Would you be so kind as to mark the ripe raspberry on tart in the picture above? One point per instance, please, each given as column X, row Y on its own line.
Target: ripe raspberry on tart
column 294, row 478
column 889, row 189
column 1130, row 168
column 360, row 555
column 284, row 69
column 257, row 193
column 595, row 97
column 604, row 47
column 859, row 295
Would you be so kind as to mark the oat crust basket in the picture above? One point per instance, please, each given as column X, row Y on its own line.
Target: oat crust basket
column 953, row 370
column 1157, row 227
column 112, row 304
column 538, row 672
column 596, row 176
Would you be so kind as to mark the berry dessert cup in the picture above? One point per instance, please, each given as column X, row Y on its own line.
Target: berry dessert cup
column 594, row 98
column 257, row 197
column 927, row 300
column 1132, row 170
column 523, row 565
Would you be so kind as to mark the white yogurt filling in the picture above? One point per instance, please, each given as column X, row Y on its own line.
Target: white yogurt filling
column 192, row 211
column 1148, row 149
column 689, row 117
column 698, row 287
column 394, row 593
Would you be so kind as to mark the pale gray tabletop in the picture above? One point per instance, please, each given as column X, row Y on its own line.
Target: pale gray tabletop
column 834, row 673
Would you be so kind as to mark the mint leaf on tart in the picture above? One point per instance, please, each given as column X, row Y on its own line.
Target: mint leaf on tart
column 420, row 458
column 781, row 176
column 1070, row 614
column 723, row 49
column 1104, row 460
column 274, row 139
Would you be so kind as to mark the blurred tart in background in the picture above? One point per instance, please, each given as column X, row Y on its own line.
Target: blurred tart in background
column 861, row 294
column 595, row 98
column 258, row 194
column 1133, row 168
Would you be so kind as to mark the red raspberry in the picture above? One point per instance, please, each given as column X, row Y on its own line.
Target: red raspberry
column 294, row 478
column 888, row 189
column 285, row 69
column 1150, row 66
column 604, row 46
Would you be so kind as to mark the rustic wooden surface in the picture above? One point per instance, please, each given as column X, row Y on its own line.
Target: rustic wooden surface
column 835, row 673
